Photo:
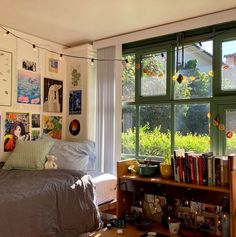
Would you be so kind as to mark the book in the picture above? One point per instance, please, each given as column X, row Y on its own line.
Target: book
column 217, row 171
column 205, row 167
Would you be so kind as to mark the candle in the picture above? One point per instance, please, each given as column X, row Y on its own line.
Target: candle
column 225, row 225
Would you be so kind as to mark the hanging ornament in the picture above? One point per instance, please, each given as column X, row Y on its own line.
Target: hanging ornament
column 226, row 67
column 145, row 70
column 209, row 115
column 221, row 127
column 174, row 78
column 216, row 121
column 137, row 65
column 229, row 134
column 180, row 78
column 192, row 78
column 211, row 73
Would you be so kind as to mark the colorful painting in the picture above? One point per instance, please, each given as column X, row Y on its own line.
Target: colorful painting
column 75, row 102
column 35, row 135
column 52, row 126
column 35, row 120
column 16, row 127
column 53, row 65
column 5, row 77
column 29, row 65
column 28, row 90
column 53, row 95
column 75, row 76
column 74, row 127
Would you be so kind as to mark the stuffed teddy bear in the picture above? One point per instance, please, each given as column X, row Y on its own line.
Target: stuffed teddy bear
column 50, row 163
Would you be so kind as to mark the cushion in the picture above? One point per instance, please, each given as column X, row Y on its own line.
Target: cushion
column 72, row 155
column 29, row 155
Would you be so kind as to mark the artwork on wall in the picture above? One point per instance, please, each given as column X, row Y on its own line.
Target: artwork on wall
column 74, row 127
column 53, row 65
column 35, row 120
column 35, row 135
column 29, row 65
column 52, row 126
column 29, row 87
column 16, row 127
column 5, row 78
column 75, row 102
column 75, row 74
column 53, row 95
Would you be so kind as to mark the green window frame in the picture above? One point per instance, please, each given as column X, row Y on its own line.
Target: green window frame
column 218, row 34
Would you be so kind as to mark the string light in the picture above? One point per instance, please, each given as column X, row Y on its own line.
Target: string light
column 34, row 47
column 6, row 33
column 92, row 61
column 60, row 58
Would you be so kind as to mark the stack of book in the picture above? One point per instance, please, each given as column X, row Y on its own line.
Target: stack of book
column 203, row 169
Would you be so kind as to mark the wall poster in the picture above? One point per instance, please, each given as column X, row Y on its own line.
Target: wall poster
column 5, row 78
column 16, row 127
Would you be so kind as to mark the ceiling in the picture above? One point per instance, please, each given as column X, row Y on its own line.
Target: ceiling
column 74, row 22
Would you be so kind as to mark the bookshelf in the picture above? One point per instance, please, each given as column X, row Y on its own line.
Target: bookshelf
column 128, row 184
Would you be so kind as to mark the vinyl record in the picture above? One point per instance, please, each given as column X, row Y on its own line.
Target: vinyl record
column 74, row 127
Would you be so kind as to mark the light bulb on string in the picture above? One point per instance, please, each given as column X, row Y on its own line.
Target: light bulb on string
column 6, row 33
column 34, row 47
column 92, row 62
column 60, row 58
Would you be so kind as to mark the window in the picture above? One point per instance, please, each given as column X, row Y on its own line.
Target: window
column 178, row 90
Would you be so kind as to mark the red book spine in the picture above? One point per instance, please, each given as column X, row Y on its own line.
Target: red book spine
column 200, row 169
column 191, row 168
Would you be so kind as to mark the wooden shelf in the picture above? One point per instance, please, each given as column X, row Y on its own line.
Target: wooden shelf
column 158, row 180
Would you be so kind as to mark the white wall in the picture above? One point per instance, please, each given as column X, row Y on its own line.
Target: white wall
column 23, row 51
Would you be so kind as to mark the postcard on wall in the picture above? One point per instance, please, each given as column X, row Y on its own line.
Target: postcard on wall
column 52, row 126
column 29, row 65
column 29, row 87
column 35, row 120
column 75, row 75
column 75, row 102
column 53, row 95
column 16, row 127
column 53, row 65
column 5, row 78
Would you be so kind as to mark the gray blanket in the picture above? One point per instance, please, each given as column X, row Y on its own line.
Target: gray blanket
column 47, row 203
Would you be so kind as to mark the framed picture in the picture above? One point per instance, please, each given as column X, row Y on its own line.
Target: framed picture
column 5, row 78
column 29, row 65
column 29, row 87
column 52, row 126
column 53, row 65
column 53, row 95
column 186, row 217
column 207, row 221
column 75, row 76
column 75, row 102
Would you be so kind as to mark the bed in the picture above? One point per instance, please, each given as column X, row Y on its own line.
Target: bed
column 60, row 202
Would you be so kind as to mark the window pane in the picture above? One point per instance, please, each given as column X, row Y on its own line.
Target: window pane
column 192, row 127
column 128, row 79
column 228, row 72
column 230, row 131
column 154, row 130
column 128, row 135
column 153, row 75
column 196, row 71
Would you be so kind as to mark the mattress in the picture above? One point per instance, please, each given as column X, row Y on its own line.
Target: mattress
column 105, row 185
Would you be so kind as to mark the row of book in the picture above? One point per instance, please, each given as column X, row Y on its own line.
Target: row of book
column 203, row 169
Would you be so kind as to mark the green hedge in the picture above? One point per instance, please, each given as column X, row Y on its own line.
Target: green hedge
column 156, row 143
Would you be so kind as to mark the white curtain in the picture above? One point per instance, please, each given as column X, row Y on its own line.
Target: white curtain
column 105, row 111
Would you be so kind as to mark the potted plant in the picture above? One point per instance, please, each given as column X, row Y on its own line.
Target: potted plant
column 165, row 166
